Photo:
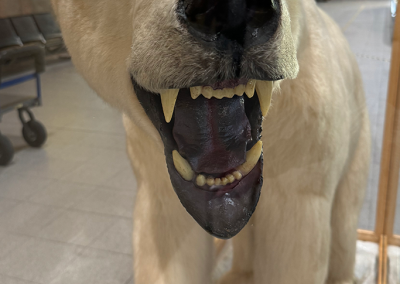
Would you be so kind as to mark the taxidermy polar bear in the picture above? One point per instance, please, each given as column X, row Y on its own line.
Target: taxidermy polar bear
column 195, row 80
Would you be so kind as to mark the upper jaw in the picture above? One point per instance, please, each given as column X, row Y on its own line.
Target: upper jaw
column 262, row 88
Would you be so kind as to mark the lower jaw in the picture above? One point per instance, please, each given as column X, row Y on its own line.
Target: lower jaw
column 222, row 213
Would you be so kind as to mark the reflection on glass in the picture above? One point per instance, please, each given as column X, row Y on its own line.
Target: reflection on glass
column 394, row 265
column 397, row 216
column 367, row 27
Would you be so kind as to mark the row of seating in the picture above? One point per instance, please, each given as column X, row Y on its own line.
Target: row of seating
column 23, row 38
column 23, row 30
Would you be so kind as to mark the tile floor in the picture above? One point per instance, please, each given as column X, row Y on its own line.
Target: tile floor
column 65, row 212
column 65, row 209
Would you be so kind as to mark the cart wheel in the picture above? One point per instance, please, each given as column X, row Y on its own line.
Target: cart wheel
column 34, row 133
column 6, row 150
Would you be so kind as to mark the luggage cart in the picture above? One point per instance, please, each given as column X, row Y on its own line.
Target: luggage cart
column 13, row 49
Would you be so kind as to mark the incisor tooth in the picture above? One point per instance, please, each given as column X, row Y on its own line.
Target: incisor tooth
column 239, row 90
column 182, row 166
column 224, row 181
column 207, row 92
column 252, row 157
column 264, row 92
column 250, row 87
column 195, row 92
column 219, row 94
column 168, row 100
column 217, row 181
column 229, row 93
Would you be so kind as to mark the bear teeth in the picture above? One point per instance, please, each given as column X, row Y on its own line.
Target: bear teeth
column 263, row 88
column 184, row 169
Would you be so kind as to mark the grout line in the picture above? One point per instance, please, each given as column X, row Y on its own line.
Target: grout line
column 347, row 25
column 66, row 127
column 102, row 234
column 17, row 278
column 80, row 210
column 130, row 280
column 67, row 243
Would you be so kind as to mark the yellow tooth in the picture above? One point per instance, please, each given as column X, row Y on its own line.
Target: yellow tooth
column 252, row 157
column 230, row 178
column 210, row 181
column 237, row 175
column 250, row 87
column 195, row 92
column 264, row 92
column 168, row 100
column 182, row 166
column 200, row 180
column 224, row 181
column 207, row 92
column 219, row 94
column 229, row 93
column 217, row 181
column 239, row 90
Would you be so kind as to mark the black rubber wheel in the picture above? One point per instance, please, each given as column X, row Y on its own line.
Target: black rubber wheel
column 6, row 150
column 34, row 133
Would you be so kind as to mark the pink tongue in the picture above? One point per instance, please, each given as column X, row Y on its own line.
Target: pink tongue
column 210, row 133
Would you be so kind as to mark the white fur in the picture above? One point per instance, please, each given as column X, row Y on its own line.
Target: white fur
column 316, row 146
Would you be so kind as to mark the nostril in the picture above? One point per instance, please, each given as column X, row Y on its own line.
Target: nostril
column 260, row 12
column 215, row 16
column 231, row 18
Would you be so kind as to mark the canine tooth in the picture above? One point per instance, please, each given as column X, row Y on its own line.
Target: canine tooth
column 200, row 180
column 210, row 181
column 250, row 87
column 230, row 178
column 168, row 100
column 264, row 92
column 207, row 92
column 237, row 175
column 217, row 181
column 224, row 181
column 239, row 90
column 195, row 92
column 182, row 166
column 252, row 157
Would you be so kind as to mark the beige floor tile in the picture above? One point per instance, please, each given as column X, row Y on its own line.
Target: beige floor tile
column 107, row 202
column 124, row 182
column 20, row 186
column 28, row 218
column 77, row 227
column 38, row 260
column 117, row 238
column 95, row 266
column 62, row 194
column 6, row 205
column 9, row 242
column 11, row 280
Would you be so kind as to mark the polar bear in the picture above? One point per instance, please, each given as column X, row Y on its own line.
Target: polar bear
column 244, row 119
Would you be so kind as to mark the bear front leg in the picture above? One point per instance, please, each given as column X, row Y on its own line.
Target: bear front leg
column 292, row 238
column 169, row 246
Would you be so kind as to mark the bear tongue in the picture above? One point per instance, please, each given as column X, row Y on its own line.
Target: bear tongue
column 211, row 133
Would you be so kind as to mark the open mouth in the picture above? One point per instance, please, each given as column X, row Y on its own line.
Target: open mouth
column 211, row 137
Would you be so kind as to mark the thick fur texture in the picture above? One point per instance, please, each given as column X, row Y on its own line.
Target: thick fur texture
column 316, row 143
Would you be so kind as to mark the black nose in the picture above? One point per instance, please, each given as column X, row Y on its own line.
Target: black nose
column 234, row 19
